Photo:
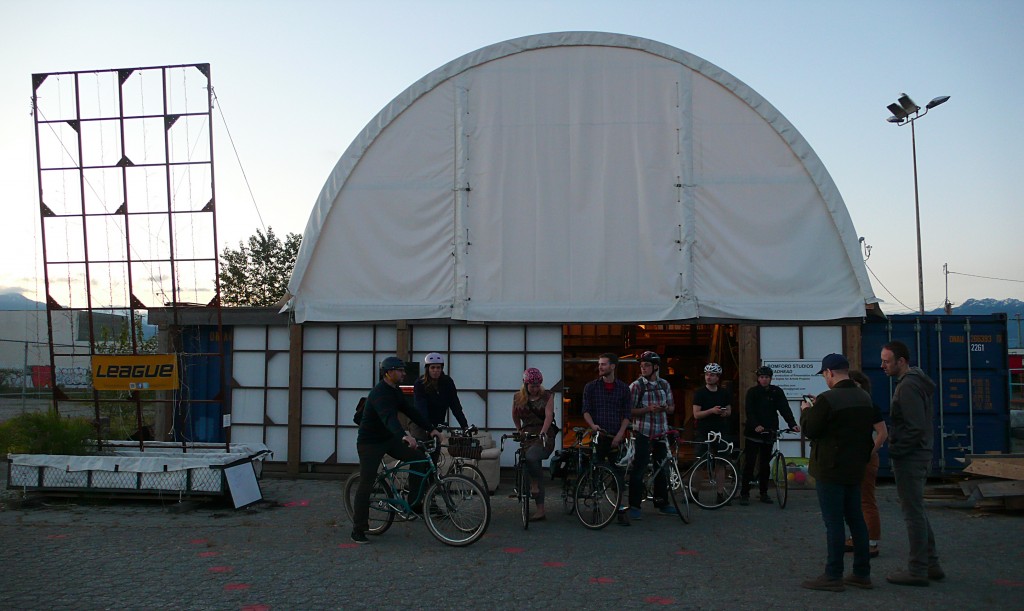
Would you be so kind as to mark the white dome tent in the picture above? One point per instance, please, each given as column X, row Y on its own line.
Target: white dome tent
column 579, row 177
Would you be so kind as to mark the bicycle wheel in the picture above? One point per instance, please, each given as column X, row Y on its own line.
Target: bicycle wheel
column 568, row 495
column 472, row 472
column 597, row 497
column 381, row 514
column 706, row 489
column 457, row 511
column 677, row 493
column 524, row 494
column 781, row 479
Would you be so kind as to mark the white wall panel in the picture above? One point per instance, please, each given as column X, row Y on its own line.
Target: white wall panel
column 247, row 368
column 470, row 337
column 318, row 407
column 547, row 337
column 504, row 371
column 429, row 338
column 819, row 341
column 356, row 370
column 249, row 338
column 501, row 338
column 468, row 370
column 277, row 406
column 246, row 406
column 780, row 343
column 318, row 370
column 319, row 338
column 277, row 370
column 317, row 444
column 356, row 338
column 279, row 338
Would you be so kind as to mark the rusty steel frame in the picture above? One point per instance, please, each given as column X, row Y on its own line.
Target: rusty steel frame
column 178, row 404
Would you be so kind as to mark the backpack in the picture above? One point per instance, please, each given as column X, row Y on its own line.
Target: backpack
column 358, row 416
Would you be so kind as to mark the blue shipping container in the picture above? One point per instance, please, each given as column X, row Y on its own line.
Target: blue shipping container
column 966, row 357
column 200, row 404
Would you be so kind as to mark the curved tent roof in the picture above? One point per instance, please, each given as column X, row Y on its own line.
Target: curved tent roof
column 579, row 177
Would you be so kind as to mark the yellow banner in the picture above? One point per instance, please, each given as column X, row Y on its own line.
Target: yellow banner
column 135, row 372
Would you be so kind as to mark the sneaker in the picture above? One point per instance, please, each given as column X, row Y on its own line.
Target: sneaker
column 634, row 513
column 904, row 578
column 623, row 518
column 744, row 500
column 935, row 573
column 825, row 583
column 873, row 551
column 359, row 537
column 668, row 510
column 863, row 583
column 766, row 499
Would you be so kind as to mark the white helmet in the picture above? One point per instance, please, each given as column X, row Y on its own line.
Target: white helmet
column 434, row 358
column 713, row 368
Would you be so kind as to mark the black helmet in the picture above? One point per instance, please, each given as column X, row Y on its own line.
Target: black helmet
column 390, row 363
column 764, row 370
column 650, row 357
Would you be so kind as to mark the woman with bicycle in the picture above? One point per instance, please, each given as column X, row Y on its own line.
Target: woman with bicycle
column 651, row 398
column 533, row 411
column 764, row 404
column 434, row 393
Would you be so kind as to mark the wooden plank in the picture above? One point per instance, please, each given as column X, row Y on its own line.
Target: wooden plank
column 1001, row 468
column 1002, row 488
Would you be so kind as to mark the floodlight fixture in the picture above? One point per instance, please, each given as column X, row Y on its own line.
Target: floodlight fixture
column 897, row 112
column 908, row 105
column 942, row 99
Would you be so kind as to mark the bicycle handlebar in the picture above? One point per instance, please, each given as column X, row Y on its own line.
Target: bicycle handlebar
column 457, row 432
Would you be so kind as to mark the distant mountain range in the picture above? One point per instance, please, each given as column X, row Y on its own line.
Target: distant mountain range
column 17, row 301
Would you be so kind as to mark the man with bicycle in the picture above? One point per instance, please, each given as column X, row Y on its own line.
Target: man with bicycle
column 764, row 404
column 381, row 433
column 651, row 398
column 606, row 402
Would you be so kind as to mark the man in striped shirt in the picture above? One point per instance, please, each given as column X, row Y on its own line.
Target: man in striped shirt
column 651, row 398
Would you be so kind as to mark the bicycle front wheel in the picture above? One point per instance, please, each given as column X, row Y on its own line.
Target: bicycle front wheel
column 523, row 493
column 381, row 514
column 677, row 494
column 713, row 482
column 597, row 497
column 457, row 510
column 569, row 495
column 780, row 477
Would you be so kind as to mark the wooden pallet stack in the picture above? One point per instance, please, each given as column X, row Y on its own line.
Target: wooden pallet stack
column 996, row 481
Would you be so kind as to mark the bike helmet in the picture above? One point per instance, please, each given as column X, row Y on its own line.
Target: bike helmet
column 434, row 358
column 390, row 363
column 713, row 368
column 650, row 357
column 765, row 371
column 533, row 376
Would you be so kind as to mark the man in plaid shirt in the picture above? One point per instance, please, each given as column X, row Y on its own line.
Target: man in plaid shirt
column 606, row 403
column 651, row 399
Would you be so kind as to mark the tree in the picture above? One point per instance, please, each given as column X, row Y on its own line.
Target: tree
column 258, row 274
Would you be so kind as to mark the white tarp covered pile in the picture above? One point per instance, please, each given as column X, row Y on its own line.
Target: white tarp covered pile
column 579, row 177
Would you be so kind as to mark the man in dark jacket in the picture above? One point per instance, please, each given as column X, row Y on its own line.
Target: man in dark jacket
column 910, row 451
column 764, row 404
column 381, row 433
column 839, row 425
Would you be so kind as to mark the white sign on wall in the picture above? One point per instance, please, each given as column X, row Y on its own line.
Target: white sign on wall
column 797, row 377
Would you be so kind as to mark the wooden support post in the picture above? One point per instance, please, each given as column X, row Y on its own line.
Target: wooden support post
column 750, row 359
column 294, row 398
column 852, row 345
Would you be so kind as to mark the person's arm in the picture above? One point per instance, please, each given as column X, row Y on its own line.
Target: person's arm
column 587, row 402
column 455, row 404
column 813, row 418
column 782, row 406
column 517, row 421
column 549, row 414
column 636, row 393
column 419, row 399
column 914, row 415
column 414, row 414
column 670, row 402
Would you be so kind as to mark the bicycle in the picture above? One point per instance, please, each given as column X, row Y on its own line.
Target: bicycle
column 522, row 485
column 462, row 446
column 598, row 492
column 456, row 509
column 777, row 472
column 568, row 464
column 703, row 480
column 677, row 493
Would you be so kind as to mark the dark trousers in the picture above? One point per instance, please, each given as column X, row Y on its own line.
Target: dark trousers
column 839, row 503
column 370, row 455
column 756, row 452
column 637, row 490
column 911, row 475
column 607, row 455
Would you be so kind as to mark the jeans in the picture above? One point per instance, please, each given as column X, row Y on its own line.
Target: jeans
column 756, row 451
column 911, row 475
column 641, row 459
column 534, row 458
column 370, row 455
column 841, row 502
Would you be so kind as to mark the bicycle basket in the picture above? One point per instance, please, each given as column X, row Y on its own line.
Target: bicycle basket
column 563, row 463
column 464, row 447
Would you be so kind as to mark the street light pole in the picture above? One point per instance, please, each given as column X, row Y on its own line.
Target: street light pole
column 904, row 111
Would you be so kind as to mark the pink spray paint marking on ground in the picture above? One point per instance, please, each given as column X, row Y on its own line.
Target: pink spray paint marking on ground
column 1009, row 583
column 348, row 545
column 56, row 536
column 554, row 565
column 514, row 550
column 256, row 607
column 602, row 580
column 208, row 554
column 234, row 587
column 659, row 600
column 198, row 541
column 687, row 552
column 302, row 503
column 221, row 569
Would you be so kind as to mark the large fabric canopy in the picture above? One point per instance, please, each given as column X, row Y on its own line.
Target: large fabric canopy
column 579, row 177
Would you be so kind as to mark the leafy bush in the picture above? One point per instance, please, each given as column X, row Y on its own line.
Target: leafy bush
column 46, row 433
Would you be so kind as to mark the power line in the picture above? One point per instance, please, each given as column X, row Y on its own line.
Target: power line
column 886, row 288
column 984, row 277
column 220, row 109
